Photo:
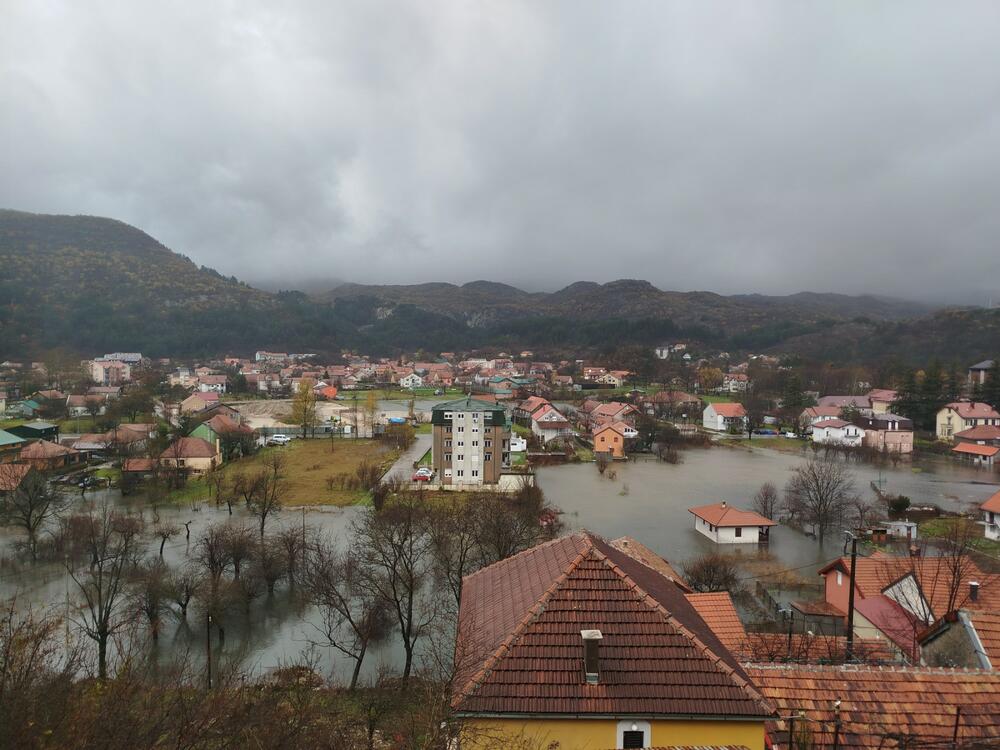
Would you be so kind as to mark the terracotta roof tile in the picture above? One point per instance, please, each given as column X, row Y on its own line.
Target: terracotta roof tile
column 882, row 707
column 719, row 613
column 520, row 650
column 723, row 514
column 993, row 503
column 639, row 551
column 976, row 450
column 728, row 410
column 973, row 410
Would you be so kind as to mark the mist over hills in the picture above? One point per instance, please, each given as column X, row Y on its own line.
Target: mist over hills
column 87, row 283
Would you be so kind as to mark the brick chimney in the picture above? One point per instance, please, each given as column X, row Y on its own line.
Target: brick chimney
column 591, row 655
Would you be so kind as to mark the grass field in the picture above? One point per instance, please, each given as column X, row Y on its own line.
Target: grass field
column 713, row 398
column 308, row 464
column 943, row 528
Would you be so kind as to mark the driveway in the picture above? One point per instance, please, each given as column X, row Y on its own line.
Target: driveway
column 403, row 468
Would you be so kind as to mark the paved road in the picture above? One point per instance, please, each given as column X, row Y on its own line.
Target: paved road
column 404, row 464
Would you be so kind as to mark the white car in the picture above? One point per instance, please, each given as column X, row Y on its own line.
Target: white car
column 279, row 439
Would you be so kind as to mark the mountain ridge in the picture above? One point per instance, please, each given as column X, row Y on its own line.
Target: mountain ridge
column 91, row 284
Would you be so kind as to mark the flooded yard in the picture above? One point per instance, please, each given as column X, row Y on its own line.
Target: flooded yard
column 647, row 500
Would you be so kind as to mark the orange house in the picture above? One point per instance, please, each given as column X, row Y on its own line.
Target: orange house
column 610, row 438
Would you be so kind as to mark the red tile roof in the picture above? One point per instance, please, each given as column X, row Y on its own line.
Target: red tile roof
column 189, row 447
column 987, row 625
column 723, row 514
column 43, row 449
column 719, row 613
column 223, row 425
column 831, row 423
column 814, row 412
column 882, row 707
column 520, row 651
column 11, row 476
column 728, row 410
column 896, row 623
column 621, row 428
column 944, row 581
column 138, row 464
column 972, row 449
column 882, row 394
column 993, row 503
column 973, row 410
column 980, row 432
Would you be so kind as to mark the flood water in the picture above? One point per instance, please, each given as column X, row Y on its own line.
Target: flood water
column 647, row 500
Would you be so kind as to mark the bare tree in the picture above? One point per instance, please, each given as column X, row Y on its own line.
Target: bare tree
column 292, row 542
column 165, row 531
column 32, row 502
column 712, row 572
column 270, row 564
column 819, row 492
column 765, row 501
column 151, row 593
column 240, row 547
column 269, row 498
column 212, row 553
column 863, row 512
column 355, row 615
column 455, row 544
column 393, row 548
column 182, row 585
column 113, row 541
column 505, row 525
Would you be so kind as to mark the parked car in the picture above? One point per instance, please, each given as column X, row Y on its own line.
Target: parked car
column 423, row 474
column 790, row 434
column 279, row 439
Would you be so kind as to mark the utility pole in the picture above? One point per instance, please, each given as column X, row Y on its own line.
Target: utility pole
column 208, row 647
column 849, row 653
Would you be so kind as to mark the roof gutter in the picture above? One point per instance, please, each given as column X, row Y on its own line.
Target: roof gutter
column 647, row 716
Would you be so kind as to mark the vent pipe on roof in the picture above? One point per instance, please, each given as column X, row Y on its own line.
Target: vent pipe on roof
column 974, row 590
column 591, row 655
column 723, row 503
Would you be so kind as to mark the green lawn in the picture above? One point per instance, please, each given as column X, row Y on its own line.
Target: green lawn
column 944, row 528
column 715, row 398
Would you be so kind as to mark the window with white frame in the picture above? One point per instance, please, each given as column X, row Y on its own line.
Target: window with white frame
column 633, row 734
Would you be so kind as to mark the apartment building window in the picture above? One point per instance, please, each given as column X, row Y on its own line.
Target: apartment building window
column 487, row 443
column 459, row 472
column 448, row 429
column 447, row 457
column 488, row 457
column 447, row 443
column 475, row 416
column 461, row 428
column 448, row 415
column 461, row 443
column 461, row 457
column 475, row 472
column 475, row 443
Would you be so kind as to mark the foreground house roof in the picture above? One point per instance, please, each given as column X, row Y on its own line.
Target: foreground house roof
column 728, row 410
column 189, row 447
column 882, row 707
column 973, row 410
column 639, row 551
column 43, row 449
column 520, row 651
column 716, row 608
column 973, row 449
column 993, row 503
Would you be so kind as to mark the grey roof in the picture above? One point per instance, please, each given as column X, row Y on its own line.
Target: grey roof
column 986, row 364
column 468, row 404
column 39, row 425
column 8, row 438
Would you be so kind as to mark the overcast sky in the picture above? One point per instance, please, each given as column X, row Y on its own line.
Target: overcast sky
column 728, row 146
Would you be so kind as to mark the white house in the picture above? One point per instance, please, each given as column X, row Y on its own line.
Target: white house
column 724, row 417
column 837, row 432
column 518, row 444
column 411, row 381
column 724, row 524
column 547, row 422
column 991, row 516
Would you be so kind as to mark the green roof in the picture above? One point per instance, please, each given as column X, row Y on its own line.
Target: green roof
column 7, row 438
column 469, row 404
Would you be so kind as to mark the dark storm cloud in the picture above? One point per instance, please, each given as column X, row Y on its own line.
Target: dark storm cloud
column 735, row 147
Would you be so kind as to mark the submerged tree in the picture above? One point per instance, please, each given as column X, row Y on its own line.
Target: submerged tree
column 113, row 540
column 819, row 492
column 31, row 504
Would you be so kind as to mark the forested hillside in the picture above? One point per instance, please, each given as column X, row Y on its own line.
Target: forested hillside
column 89, row 284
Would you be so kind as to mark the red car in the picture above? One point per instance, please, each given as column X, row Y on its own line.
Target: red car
column 423, row 475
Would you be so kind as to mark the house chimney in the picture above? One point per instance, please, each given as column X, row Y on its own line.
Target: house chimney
column 591, row 655
column 723, row 503
column 974, row 590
